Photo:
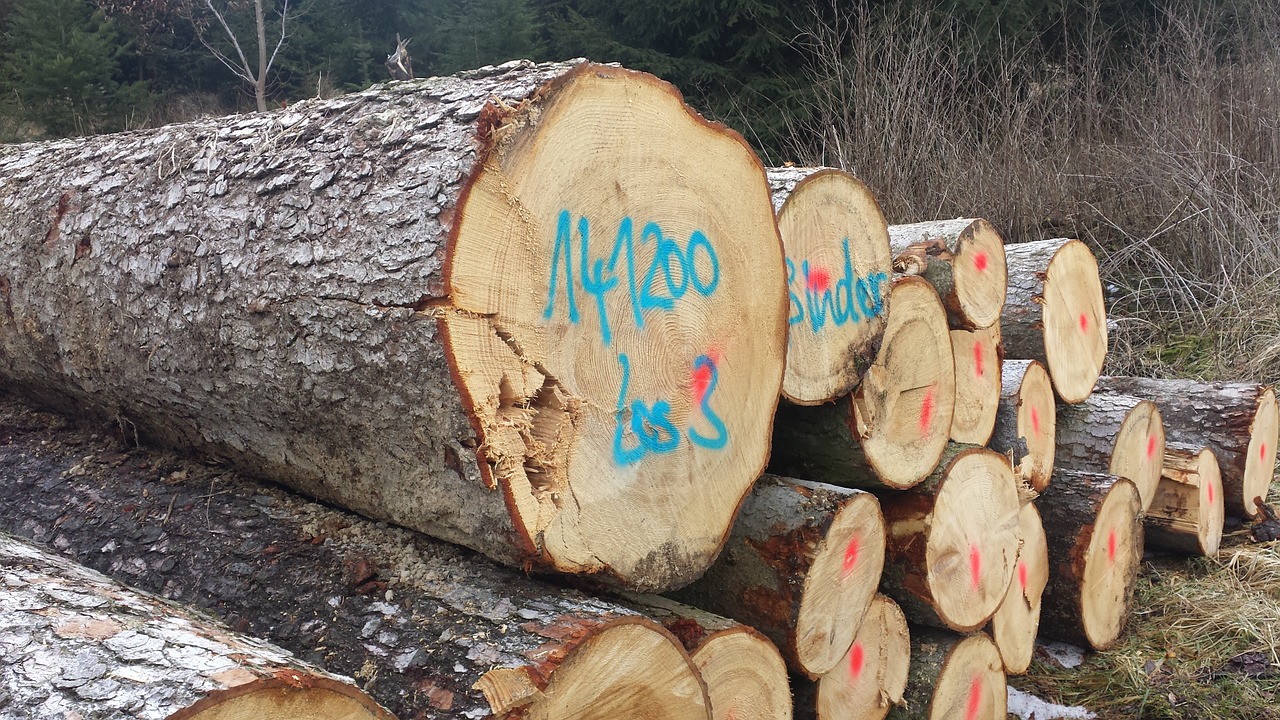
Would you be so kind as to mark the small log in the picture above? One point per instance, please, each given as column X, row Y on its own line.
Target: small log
column 978, row 359
column 952, row 540
column 963, row 259
column 1093, row 525
column 1025, row 428
column 1187, row 513
column 77, row 644
column 745, row 674
column 1054, row 313
column 444, row 303
column 838, row 267
column 1113, row 434
column 891, row 432
column 871, row 678
column 953, row 677
column 1014, row 626
column 430, row 629
column 801, row 566
column 1239, row 422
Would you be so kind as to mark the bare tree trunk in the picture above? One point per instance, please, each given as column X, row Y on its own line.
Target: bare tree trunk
column 260, row 83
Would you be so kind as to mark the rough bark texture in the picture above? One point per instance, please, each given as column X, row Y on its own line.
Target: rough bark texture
column 1237, row 421
column 284, row 291
column 953, row 677
column 951, row 540
column 1186, row 513
column 1113, row 434
column 801, row 566
column 417, row 621
column 1025, row 429
column 1054, row 313
column 964, row 261
column 1093, row 527
column 74, row 643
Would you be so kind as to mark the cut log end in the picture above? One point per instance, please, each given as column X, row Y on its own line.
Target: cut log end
column 297, row 699
column 840, row 584
column 745, row 675
column 1035, row 420
column 1075, row 321
column 1187, row 511
column 964, row 259
column 972, row 684
column 904, row 406
column 1017, row 620
column 838, row 268
column 871, row 677
column 620, row 346
column 1260, row 463
column 1111, row 564
column 978, row 357
column 1138, row 452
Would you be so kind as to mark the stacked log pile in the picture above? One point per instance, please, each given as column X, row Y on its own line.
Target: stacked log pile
column 551, row 315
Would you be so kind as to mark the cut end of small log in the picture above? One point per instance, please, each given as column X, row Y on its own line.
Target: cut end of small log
column 1014, row 626
column 746, row 676
column 903, row 408
column 1031, row 398
column 978, row 357
column 871, row 677
column 1139, row 449
column 1188, row 509
column 617, row 322
column 964, row 259
column 1075, row 321
column 972, row 684
column 838, row 268
column 1259, row 467
column 1111, row 565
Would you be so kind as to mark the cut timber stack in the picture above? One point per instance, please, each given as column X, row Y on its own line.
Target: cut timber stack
column 1186, row 513
column 76, row 644
column 964, row 259
column 1025, row 428
column 432, row 631
column 801, row 566
column 1239, row 422
column 515, row 309
column 1054, row 313
column 953, row 677
column 838, row 266
column 891, row 432
column 1113, row 434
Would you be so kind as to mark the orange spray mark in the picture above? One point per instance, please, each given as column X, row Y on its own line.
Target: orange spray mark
column 1035, row 421
column 1022, row 575
column 700, row 380
column 1151, row 446
column 926, row 411
column 975, row 566
column 980, row 260
column 855, row 660
column 819, row 279
column 850, row 557
column 1084, row 323
column 1211, row 493
column 978, row 359
column 975, row 698
column 1111, row 546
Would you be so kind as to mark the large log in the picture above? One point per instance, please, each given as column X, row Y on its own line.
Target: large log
column 1093, row 525
column 1239, row 422
column 801, row 565
column 952, row 540
column 1113, row 434
column 1186, row 513
column 515, row 309
column 838, row 267
column 871, row 678
column 978, row 358
column 429, row 629
column 1054, row 313
column 953, row 677
column 75, row 644
column 892, row 430
column 963, row 259
column 1025, row 427
column 1017, row 620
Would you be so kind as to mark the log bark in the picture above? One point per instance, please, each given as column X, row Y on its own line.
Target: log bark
column 1113, row 434
column 745, row 674
column 1054, row 313
column 951, row 541
column 429, row 629
column 892, row 430
column 801, row 565
column 1239, row 422
column 1093, row 525
column 838, row 268
column 77, row 644
column 1025, row 429
column 953, row 676
column 963, row 259
column 1186, row 513
column 978, row 357
column 1017, row 620
column 389, row 301
column 871, row 678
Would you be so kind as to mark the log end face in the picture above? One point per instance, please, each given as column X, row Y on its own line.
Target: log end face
column 872, row 676
column 1037, row 423
column 977, row 357
column 746, row 676
column 1138, row 452
column 979, row 275
column 972, row 684
column 1016, row 621
column 1074, row 321
column 1260, row 463
column 1111, row 565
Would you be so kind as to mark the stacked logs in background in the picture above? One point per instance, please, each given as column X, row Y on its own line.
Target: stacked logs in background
column 547, row 312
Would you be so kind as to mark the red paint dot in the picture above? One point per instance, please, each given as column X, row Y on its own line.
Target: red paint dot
column 819, row 279
column 855, row 660
column 980, row 260
column 1211, row 493
column 1035, row 421
column 1111, row 546
column 1022, row 575
column 978, row 359
column 850, row 557
column 926, row 410
column 1084, row 323
column 975, row 698
column 701, row 380
column 1151, row 446
column 975, row 566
